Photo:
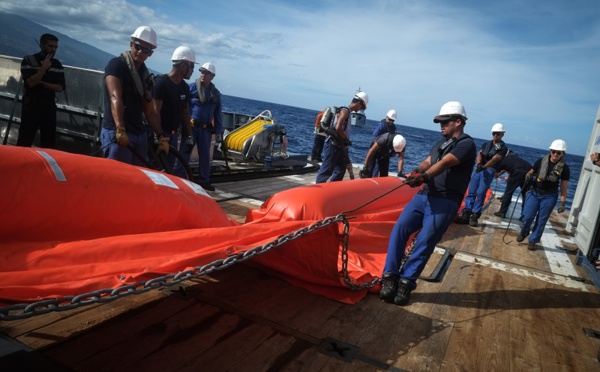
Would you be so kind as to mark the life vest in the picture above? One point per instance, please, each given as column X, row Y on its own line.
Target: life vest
column 553, row 176
column 489, row 149
column 441, row 149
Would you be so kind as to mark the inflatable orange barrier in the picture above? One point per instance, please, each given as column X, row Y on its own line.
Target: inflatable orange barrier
column 71, row 224
column 319, row 256
column 50, row 195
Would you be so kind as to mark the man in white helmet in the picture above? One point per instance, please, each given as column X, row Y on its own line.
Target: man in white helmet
column 128, row 99
column 547, row 175
column 335, row 152
column 381, row 161
column 386, row 145
column 445, row 175
column 171, row 95
column 489, row 155
column 206, row 121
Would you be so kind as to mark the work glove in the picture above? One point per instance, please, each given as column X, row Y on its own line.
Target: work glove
column 347, row 142
column 528, row 178
column 479, row 168
column 121, row 137
column 363, row 173
column 218, row 138
column 417, row 178
column 189, row 143
column 561, row 207
column 163, row 145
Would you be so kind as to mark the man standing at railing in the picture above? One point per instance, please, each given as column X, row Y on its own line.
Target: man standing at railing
column 207, row 119
column 43, row 76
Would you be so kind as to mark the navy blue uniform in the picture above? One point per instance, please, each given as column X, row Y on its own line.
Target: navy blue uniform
column 38, row 108
column 432, row 210
column 516, row 168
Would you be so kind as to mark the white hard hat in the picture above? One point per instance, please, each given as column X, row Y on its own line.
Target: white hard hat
column 450, row 109
column 184, row 53
column 210, row 67
column 399, row 143
column 559, row 145
column 145, row 33
column 363, row 97
column 498, row 128
column 391, row 115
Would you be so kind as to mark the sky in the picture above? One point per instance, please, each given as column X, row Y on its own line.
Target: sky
column 533, row 65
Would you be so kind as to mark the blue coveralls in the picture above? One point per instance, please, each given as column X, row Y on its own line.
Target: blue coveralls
column 334, row 157
column 540, row 201
column 204, row 115
column 478, row 187
column 432, row 210
column 382, row 161
column 481, row 181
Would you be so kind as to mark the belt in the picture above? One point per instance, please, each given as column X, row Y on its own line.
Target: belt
column 545, row 192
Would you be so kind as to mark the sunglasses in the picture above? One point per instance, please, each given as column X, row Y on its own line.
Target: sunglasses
column 363, row 106
column 497, row 133
column 446, row 122
column 143, row 49
column 205, row 72
column 554, row 152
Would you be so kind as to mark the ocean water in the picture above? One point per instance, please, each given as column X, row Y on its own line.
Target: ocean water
column 299, row 125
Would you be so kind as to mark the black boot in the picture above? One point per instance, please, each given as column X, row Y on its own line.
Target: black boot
column 464, row 218
column 389, row 287
column 403, row 292
column 473, row 220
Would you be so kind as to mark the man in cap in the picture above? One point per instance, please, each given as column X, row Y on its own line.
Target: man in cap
column 334, row 162
column 491, row 152
column 206, row 121
column 128, row 99
column 445, row 174
column 171, row 95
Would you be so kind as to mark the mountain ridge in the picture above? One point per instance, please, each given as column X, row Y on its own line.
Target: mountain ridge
column 19, row 37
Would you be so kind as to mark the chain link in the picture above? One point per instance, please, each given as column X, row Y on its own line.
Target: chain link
column 23, row 311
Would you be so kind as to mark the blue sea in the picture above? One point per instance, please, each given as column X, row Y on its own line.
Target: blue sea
column 299, row 125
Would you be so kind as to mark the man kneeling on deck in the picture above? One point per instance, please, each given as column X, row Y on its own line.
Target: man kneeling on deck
column 445, row 174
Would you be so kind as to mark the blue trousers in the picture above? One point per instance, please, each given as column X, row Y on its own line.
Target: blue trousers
column 539, row 205
column 112, row 150
column 432, row 215
column 202, row 141
column 478, row 187
column 334, row 163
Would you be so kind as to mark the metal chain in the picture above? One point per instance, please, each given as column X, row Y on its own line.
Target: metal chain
column 22, row 311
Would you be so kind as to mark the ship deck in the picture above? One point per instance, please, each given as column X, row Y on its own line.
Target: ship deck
column 498, row 307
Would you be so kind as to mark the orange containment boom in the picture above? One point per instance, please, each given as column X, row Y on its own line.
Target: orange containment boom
column 72, row 224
